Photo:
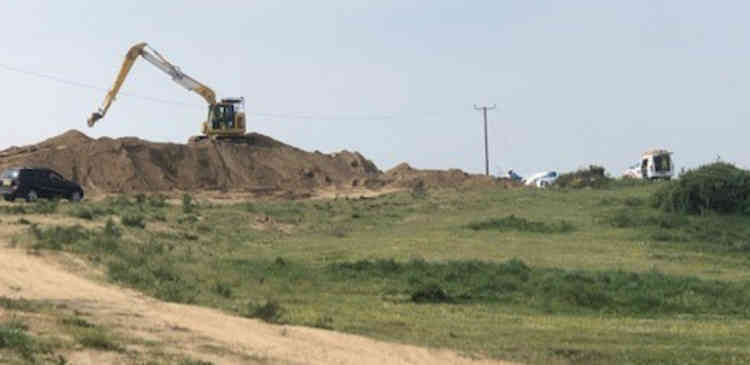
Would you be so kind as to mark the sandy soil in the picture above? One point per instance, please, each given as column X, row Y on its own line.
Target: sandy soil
column 198, row 332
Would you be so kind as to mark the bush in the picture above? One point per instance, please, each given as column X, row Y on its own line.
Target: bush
column 187, row 219
column 223, row 289
column 187, row 204
column 88, row 212
column 270, row 312
column 97, row 338
column 554, row 290
column 55, row 238
column 513, row 223
column 630, row 218
column 13, row 336
column 133, row 220
column 430, row 293
column 158, row 201
column 45, row 207
column 719, row 187
column 592, row 177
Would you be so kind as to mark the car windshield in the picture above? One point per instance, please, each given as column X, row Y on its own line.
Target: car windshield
column 9, row 174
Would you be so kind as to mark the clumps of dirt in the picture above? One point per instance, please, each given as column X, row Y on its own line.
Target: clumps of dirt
column 259, row 164
column 405, row 176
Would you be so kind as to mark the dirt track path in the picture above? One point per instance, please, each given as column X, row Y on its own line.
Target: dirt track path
column 196, row 331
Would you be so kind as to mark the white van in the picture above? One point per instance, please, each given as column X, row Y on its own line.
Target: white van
column 654, row 164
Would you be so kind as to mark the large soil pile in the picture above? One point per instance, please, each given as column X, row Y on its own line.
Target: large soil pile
column 260, row 165
column 132, row 164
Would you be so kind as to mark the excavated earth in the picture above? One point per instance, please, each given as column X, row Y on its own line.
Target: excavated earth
column 260, row 165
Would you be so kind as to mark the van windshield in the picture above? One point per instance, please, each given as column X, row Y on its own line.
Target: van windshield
column 9, row 174
column 662, row 163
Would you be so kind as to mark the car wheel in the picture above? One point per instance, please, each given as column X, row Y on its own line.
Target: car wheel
column 32, row 196
column 9, row 197
column 76, row 196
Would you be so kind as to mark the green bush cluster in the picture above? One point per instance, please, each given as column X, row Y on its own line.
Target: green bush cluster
column 270, row 311
column 719, row 187
column 557, row 290
column 133, row 220
column 38, row 207
column 57, row 237
column 513, row 223
column 13, row 336
column 591, row 177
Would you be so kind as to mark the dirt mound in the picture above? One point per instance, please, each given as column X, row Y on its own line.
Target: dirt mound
column 131, row 164
column 406, row 176
column 260, row 165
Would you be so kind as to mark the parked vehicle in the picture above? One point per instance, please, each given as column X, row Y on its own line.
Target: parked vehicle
column 542, row 179
column 514, row 176
column 654, row 164
column 34, row 183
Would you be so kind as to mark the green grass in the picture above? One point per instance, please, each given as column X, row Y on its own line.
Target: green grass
column 555, row 276
column 513, row 223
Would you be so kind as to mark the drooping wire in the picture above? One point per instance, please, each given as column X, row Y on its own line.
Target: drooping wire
column 302, row 116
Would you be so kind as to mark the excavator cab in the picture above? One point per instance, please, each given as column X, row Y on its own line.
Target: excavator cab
column 226, row 119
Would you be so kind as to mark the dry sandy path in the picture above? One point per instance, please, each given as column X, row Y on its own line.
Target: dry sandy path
column 198, row 331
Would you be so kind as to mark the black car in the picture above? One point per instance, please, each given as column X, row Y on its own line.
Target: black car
column 34, row 183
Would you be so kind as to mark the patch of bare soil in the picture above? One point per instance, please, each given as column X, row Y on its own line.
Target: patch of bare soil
column 197, row 332
column 405, row 176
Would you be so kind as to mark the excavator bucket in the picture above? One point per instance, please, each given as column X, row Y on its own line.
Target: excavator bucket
column 93, row 118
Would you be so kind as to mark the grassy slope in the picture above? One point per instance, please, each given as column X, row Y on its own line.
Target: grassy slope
column 235, row 258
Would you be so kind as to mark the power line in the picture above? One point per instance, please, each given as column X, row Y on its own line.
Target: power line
column 486, row 149
column 298, row 116
column 93, row 87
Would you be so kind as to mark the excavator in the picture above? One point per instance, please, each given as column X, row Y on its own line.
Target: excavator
column 226, row 119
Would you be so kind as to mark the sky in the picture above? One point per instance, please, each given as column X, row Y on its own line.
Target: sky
column 575, row 82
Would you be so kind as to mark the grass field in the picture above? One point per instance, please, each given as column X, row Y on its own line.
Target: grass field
column 590, row 276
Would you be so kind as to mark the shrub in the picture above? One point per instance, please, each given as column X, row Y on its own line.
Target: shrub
column 140, row 198
column 88, row 212
column 187, row 219
column 718, row 187
column 630, row 218
column 513, row 223
column 223, row 289
column 554, row 290
column 55, row 238
column 97, row 338
column 133, row 220
column 187, row 203
column 13, row 336
column 111, row 229
column 271, row 311
column 45, row 207
column 592, row 177
column 430, row 293
column 158, row 200
column 13, row 209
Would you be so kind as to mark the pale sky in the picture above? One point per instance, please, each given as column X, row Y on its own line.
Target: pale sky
column 576, row 82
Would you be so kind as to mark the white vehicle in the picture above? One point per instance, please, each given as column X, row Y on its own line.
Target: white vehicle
column 542, row 179
column 654, row 164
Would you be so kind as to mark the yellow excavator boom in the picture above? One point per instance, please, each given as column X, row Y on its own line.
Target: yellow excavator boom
column 151, row 55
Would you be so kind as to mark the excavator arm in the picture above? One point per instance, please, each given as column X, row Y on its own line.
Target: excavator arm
column 156, row 59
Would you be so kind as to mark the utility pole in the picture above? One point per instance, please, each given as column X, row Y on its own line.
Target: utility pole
column 486, row 149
